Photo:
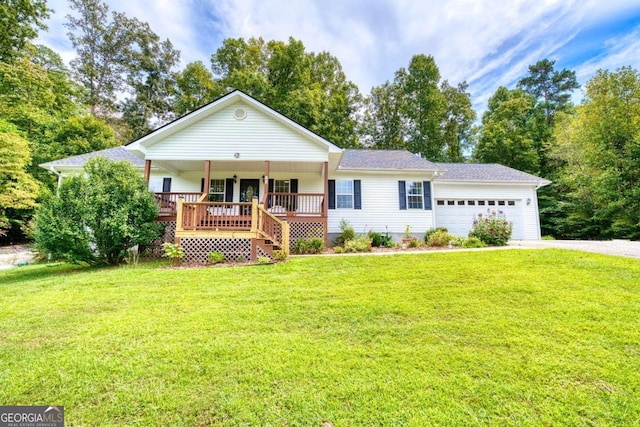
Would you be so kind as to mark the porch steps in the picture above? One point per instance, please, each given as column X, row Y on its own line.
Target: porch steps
column 264, row 247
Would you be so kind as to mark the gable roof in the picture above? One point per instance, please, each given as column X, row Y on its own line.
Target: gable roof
column 385, row 160
column 492, row 172
column 217, row 105
column 115, row 154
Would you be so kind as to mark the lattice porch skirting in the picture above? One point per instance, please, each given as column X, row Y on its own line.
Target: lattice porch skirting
column 154, row 249
column 305, row 230
column 197, row 248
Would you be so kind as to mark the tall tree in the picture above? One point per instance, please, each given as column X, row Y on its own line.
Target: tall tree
column 309, row 88
column 18, row 189
column 19, row 23
column 600, row 149
column 458, row 122
column 424, row 106
column 506, row 135
column 195, row 87
column 383, row 123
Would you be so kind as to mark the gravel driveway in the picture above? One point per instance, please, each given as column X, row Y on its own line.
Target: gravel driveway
column 624, row 248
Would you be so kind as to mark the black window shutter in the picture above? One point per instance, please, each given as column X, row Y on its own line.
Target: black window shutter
column 357, row 194
column 426, row 191
column 402, row 195
column 228, row 190
column 166, row 185
column 271, row 187
column 332, row 194
column 294, row 185
column 202, row 185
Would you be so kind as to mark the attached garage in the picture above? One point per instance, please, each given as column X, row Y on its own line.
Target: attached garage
column 466, row 190
column 457, row 215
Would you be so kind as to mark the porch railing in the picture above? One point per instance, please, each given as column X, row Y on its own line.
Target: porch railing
column 295, row 204
column 168, row 202
column 214, row 216
column 219, row 216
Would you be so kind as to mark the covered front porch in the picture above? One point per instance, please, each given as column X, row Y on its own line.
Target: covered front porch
column 266, row 203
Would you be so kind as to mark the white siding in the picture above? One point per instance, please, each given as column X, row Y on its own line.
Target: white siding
column 525, row 195
column 380, row 207
column 219, row 136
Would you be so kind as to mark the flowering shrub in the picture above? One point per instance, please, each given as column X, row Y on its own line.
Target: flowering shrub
column 492, row 228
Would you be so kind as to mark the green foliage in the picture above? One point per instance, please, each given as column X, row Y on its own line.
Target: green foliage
column 508, row 130
column 20, row 22
column 380, row 240
column 440, row 238
column 264, row 260
column 195, row 87
column 95, row 218
column 359, row 244
column 431, row 231
column 173, row 251
column 18, row 189
column 280, row 256
column 347, row 233
column 314, row 245
column 492, row 228
column 414, row 243
column 310, row 88
column 215, row 257
column 599, row 152
column 473, row 242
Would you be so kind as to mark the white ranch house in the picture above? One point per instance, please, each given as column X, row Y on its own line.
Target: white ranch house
column 237, row 177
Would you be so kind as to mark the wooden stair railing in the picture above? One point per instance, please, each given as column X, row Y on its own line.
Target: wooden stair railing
column 271, row 227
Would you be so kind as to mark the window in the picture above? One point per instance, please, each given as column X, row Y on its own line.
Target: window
column 500, row 202
column 344, row 194
column 414, row 195
column 471, row 202
column 440, row 202
column 481, row 202
column 281, row 186
column 451, row 202
column 216, row 190
column 492, row 202
column 460, row 202
column 512, row 203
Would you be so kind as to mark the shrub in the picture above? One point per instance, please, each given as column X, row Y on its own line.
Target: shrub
column 173, row 251
column 440, row 239
column 473, row 242
column 458, row 241
column 548, row 238
column 361, row 244
column 347, row 232
column 430, row 231
column 379, row 240
column 264, row 260
column 280, row 256
column 315, row 245
column 492, row 228
column 96, row 217
column 215, row 257
column 414, row 243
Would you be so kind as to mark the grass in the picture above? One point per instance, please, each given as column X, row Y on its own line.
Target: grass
column 485, row 338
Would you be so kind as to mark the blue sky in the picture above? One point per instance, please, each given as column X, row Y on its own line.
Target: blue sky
column 488, row 43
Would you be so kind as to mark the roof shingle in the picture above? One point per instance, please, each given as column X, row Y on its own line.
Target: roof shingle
column 485, row 172
column 115, row 154
column 385, row 159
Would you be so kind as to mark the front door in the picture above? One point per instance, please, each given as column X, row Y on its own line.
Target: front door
column 249, row 188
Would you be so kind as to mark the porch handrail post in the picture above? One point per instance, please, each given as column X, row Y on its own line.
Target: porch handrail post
column 254, row 215
column 285, row 237
column 179, row 224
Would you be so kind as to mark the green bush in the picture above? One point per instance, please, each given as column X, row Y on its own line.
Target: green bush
column 458, row 241
column 361, row 244
column 314, row 245
column 473, row 242
column 280, row 256
column 347, row 233
column 492, row 228
column 414, row 243
column 173, row 251
column 440, row 239
column 215, row 257
column 96, row 217
column 380, row 240
column 430, row 231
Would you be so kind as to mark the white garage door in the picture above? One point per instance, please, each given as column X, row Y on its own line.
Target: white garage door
column 457, row 215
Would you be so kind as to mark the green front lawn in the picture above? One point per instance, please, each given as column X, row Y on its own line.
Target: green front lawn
column 484, row 338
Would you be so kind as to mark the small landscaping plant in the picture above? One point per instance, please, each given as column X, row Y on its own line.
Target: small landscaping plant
column 492, row 228
column 215, row 257
column 473, row 242
column 280, row 256
column 315, row 245
column 360, row 244
column 264, row 260
column 174, row 252
column 430, row 231
column 440, row 239
column 380, row 240
column 414, row 243
column 347, row 232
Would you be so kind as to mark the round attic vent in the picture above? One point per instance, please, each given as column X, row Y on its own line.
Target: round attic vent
column 240, row 113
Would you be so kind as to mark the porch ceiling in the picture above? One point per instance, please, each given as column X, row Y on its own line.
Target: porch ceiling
column 238, row 166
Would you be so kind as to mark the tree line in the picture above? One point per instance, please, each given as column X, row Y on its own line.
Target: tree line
column 126, row 81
